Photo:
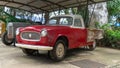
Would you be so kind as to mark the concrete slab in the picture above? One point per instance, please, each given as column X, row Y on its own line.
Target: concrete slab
column 87, row 63
column 12, row 57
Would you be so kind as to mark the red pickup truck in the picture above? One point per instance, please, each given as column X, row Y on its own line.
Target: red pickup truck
column 61, row 33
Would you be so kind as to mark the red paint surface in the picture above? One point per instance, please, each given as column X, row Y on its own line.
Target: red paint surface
column 76, row 36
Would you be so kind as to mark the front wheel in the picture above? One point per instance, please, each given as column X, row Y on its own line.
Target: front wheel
column 6, row 40
column 59, row 51
column 92, row 47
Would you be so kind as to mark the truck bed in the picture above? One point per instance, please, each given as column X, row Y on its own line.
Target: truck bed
column 93, row 34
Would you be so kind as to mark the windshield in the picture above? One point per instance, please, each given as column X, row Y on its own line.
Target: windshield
column 60, row 21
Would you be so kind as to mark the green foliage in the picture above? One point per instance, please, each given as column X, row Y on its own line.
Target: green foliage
column 74, row 10
column 97, row 25
column 111, row 36
column 6, row 17
column 113, row 7
column 105, row 27
column 66, row 11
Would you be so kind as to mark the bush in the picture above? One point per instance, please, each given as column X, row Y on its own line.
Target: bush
column 111, row 36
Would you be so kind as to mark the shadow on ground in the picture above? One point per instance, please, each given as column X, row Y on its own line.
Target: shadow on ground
column 71, row 54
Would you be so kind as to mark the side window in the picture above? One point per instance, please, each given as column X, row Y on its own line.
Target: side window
column 65, row 21
column 77, row 23
column 52, row 21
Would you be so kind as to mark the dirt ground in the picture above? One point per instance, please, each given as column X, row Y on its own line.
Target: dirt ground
column 13, row 57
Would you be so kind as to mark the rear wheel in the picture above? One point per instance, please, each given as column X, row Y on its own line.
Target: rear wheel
column 59, row 51
column 30, row 52
column 92, row 47
column 6, row 40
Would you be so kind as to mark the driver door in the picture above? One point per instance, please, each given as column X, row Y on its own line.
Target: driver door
column 80, row 33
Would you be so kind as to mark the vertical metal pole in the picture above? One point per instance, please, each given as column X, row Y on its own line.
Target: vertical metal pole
column 46, row 17
column 14, row 12
column 42, row 17
column 59, row 11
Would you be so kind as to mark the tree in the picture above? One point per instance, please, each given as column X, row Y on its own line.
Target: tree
column 113, row 7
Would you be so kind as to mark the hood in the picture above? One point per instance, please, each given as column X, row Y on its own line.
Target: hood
column 48, row 27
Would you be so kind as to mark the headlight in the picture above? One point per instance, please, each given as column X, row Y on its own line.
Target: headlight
column 17, row 31
column 43, row 33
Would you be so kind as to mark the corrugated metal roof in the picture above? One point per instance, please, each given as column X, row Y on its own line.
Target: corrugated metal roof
column 46, row 5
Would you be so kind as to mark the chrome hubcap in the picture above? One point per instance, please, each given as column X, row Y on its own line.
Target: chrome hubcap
column 60, row 50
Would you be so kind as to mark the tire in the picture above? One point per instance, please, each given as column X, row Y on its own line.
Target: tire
column 92, row 47
column 5, row 39
column 30, row 52
column 59, row 51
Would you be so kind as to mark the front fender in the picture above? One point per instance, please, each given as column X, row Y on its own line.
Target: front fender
column 55, row 38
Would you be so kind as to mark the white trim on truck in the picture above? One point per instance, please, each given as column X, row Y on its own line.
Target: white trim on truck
column 34, row 47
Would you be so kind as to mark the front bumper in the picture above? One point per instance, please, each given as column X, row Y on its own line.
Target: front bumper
column 34, row 47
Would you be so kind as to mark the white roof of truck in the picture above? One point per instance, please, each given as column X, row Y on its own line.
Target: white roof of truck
column 74, row 16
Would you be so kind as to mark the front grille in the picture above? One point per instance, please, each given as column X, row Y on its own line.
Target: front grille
column 10, row 31
column 33, row 36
